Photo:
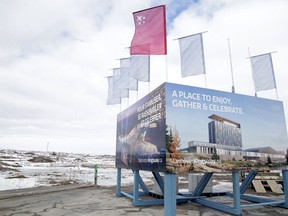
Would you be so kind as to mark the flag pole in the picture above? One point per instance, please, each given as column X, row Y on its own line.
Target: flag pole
column 166, row 68
column 276, row 93
column 231, row 67
column 149, row 87
column 205, row 80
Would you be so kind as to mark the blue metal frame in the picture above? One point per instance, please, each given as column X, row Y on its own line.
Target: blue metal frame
column 170, row 194
column 168, row 188
column 236, row 209
column 202, row 184
column 171, row 198
column 285, row 186
column 238, row 194
column 247, row 181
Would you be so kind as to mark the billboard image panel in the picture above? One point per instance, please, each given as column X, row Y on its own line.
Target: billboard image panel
column 141, row 134
column 216, row 126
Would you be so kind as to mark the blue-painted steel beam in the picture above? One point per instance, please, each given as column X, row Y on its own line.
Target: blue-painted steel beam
column 248, row 180
column 170, row 194
column 127, row 194
column 263, row 204
column 218, row 206
column 285, row 188
column 149, row 202
column 236, row 193
column 141, row 183
column 202, row 184
column 255, row 199
column 159, row 180
column 118, row 187
column 136, row 186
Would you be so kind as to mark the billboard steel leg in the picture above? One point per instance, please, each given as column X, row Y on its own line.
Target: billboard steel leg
column 247, row 181
column 170, row 194
column 236, row 193
column 171, row 198
column 118, row 189
column 285, row 187
column 136, row 187
column 202, row 184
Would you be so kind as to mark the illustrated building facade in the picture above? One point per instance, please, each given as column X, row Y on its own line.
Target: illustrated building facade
column 225, row 132
column 226, row 139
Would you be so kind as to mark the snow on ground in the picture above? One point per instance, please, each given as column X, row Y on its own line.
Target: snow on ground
column 27, row 169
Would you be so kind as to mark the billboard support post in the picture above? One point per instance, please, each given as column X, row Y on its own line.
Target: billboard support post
column 136, row 186
column 202, row 184
column 170, row 197
column 247, row 181
column 285, row 186
column 118, row 187
column 236, row 193
column 170, row 194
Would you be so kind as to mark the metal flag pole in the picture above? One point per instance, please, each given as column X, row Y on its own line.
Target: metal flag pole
column 137, row 91
column 276, row 93
column 231, row 67
column 205, row 80
column 166, row 68
column 149, row 87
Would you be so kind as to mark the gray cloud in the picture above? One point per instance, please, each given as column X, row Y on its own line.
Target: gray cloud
column 54, row 56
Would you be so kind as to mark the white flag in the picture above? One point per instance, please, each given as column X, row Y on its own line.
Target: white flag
column 118, row 85
column 111, row 100
column 140, row 67
column 263, row 73
column 192, row 55
column 124, row 62
column 128, row 82
column 133, row 84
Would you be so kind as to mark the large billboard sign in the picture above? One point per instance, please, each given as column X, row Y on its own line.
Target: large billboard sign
column 178, row 128
column 141, row 136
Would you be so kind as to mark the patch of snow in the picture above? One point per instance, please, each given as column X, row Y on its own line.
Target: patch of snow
column 17, row 170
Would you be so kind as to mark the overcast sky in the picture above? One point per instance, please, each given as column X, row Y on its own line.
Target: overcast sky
column 55, row 55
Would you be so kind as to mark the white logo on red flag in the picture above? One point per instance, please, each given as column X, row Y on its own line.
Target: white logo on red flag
column 141, row 20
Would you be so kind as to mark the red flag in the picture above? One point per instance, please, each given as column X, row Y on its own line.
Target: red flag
column 150, row 32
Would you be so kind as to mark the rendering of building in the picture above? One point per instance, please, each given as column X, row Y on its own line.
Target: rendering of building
column 225, row 138
column 225, row 132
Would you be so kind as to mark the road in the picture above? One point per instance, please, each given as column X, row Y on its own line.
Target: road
column 86, row 200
